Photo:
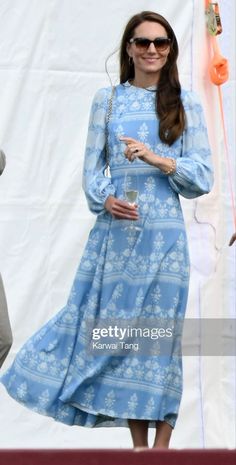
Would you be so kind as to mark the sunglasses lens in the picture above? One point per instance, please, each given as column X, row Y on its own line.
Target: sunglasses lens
column 161, row 43
column 142, row 44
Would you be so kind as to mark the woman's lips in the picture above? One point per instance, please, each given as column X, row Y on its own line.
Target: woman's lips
column 151, row 60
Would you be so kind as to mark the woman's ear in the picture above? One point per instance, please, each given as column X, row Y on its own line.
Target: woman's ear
column 128, row 50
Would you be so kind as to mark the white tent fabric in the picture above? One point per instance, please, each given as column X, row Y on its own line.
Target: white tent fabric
column 52, row 55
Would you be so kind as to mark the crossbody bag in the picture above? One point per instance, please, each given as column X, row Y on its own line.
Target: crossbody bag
column 107, row 171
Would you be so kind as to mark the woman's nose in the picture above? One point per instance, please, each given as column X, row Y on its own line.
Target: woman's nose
column 152, row 48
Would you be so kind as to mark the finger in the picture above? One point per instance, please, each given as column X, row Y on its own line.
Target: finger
column 125, row 207
column 130, row 156
column 123, row 216
column 128, row 140
column 130, row 150
column 125, row 212
column 133, row 146
column 134, row 149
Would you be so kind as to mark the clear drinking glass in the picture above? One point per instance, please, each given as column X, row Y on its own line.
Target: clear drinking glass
column 131, row 195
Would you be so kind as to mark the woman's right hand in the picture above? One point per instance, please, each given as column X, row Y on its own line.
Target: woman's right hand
column 120, row 209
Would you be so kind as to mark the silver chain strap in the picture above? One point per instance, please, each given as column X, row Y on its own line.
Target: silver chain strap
column 108, row 116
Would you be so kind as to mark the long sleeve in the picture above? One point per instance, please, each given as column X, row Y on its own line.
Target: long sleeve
column 194, row 175
column 96, row 186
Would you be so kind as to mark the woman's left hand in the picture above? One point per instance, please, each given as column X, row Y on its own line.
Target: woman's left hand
column 136, row 149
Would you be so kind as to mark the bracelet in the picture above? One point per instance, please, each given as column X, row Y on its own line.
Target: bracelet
column 172, row 169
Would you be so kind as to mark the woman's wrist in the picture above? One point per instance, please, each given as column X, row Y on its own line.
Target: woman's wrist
column 108, row 202
column 166, row 165
column 172, row 167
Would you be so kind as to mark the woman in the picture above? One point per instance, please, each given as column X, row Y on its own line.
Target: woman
column 126, row 273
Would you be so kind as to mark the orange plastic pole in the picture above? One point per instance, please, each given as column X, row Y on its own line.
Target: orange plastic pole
column 219, row 74
column 227, row 157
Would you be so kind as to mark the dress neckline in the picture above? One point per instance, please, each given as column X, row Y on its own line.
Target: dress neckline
column 128, row 84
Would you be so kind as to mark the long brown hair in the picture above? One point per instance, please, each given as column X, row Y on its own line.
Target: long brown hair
column 169, row 106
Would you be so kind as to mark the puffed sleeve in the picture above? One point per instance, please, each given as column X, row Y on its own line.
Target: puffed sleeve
column 97, row 187
column 194, row 174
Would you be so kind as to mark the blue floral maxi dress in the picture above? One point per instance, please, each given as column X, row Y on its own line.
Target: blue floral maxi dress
column 122, row 274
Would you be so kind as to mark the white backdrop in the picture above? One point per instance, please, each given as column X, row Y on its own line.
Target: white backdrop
column 52, row 55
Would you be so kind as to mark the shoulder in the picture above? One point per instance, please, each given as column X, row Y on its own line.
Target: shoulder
column 190, row 99
column 102, row 95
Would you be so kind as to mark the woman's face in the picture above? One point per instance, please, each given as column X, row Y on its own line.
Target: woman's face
column 149, row 61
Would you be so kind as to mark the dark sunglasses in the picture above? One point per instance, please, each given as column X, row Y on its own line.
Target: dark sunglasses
column 142, row 44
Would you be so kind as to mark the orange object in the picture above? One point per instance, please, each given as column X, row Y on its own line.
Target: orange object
column 218, row 68
column 219, row 74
